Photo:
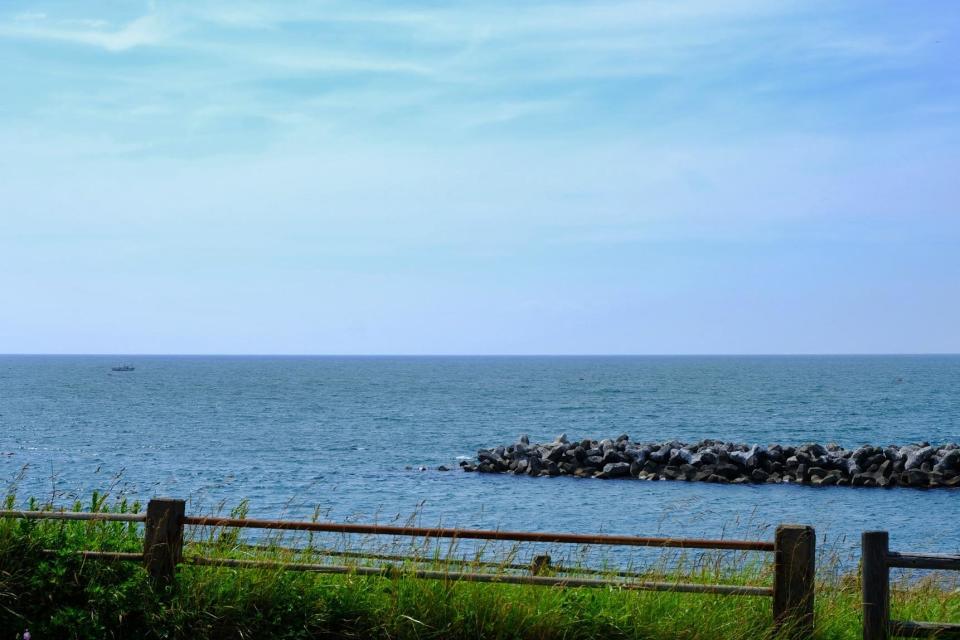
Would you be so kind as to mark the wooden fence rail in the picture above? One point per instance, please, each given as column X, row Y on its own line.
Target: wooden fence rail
column 877, row 559
column 794, row 549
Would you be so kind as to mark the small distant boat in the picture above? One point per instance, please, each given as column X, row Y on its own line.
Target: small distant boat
column 123, row 367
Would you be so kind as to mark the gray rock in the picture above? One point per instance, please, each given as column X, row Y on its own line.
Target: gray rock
column 704, row 457
column 813, row 449
column 612, row 455
column 916, row 458
column 616, row 469
column 824, row 481
column 850, row 467
column 672, row 473
column 556, row 453
column 638, row 455
column 949, row 462
column 746, row 459
column 917, row 478
column 726, row 470
column 660, row 455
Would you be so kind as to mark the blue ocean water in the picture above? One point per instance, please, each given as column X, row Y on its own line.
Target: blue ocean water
column 347, row 435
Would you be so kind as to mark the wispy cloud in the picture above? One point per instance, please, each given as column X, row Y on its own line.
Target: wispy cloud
column 531, row 70
column 29, row 16
column 143, row 31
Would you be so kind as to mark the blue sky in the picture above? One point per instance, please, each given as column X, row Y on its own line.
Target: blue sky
column 742, row 176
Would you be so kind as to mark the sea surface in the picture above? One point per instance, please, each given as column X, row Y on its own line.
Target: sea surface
column 346, row 436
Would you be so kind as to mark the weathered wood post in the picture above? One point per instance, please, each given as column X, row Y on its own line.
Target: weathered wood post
column 163, row 539
column 794, row 580
column 875, row 581
column 540, row 565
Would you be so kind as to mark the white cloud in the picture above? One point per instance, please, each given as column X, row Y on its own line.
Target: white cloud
column 29, row 16
column 143, row 31
column 318, row 60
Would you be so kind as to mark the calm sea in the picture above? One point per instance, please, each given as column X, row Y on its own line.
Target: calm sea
column 347, row 435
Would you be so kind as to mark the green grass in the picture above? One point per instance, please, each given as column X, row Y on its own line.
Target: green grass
column 63, row 596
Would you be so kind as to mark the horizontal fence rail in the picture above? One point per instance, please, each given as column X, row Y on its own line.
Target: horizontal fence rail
column 389, row 571
column 908, row 629
column 73, row 515
column 101, row 555
column 163, row 550
column 877, row 559
column 364, row 555
column 480, row 534
column 925, row 561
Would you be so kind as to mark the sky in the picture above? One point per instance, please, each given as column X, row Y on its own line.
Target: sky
column 422, row 177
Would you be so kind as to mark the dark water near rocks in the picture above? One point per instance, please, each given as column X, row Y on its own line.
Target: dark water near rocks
column 293, row 433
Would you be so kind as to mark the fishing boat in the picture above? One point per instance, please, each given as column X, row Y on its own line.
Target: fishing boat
column 123, row 367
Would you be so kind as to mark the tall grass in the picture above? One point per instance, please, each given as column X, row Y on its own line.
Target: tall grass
column 59, row 595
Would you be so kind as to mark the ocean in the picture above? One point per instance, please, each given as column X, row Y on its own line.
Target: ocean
column 346, row 437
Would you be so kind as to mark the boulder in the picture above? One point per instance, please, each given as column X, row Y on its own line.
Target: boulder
column 660, row 455
column 746, row 459
column 672, row 472
column 704, row 457
column 593, row 461
column 917, row 478
column 555, row 453
column 612, row 455
column 616, row 469
column 726, row 470
column 950, row 461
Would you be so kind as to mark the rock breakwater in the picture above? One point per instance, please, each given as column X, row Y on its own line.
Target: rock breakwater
column 918, row 465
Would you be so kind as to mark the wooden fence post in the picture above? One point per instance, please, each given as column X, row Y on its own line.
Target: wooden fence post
column 875, row 581
column 794, row 580
column 163, row 539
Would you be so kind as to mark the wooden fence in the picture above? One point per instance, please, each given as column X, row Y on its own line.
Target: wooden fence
column 875, row 578
column 794, row 549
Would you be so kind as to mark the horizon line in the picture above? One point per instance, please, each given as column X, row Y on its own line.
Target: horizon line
column 483, row 355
